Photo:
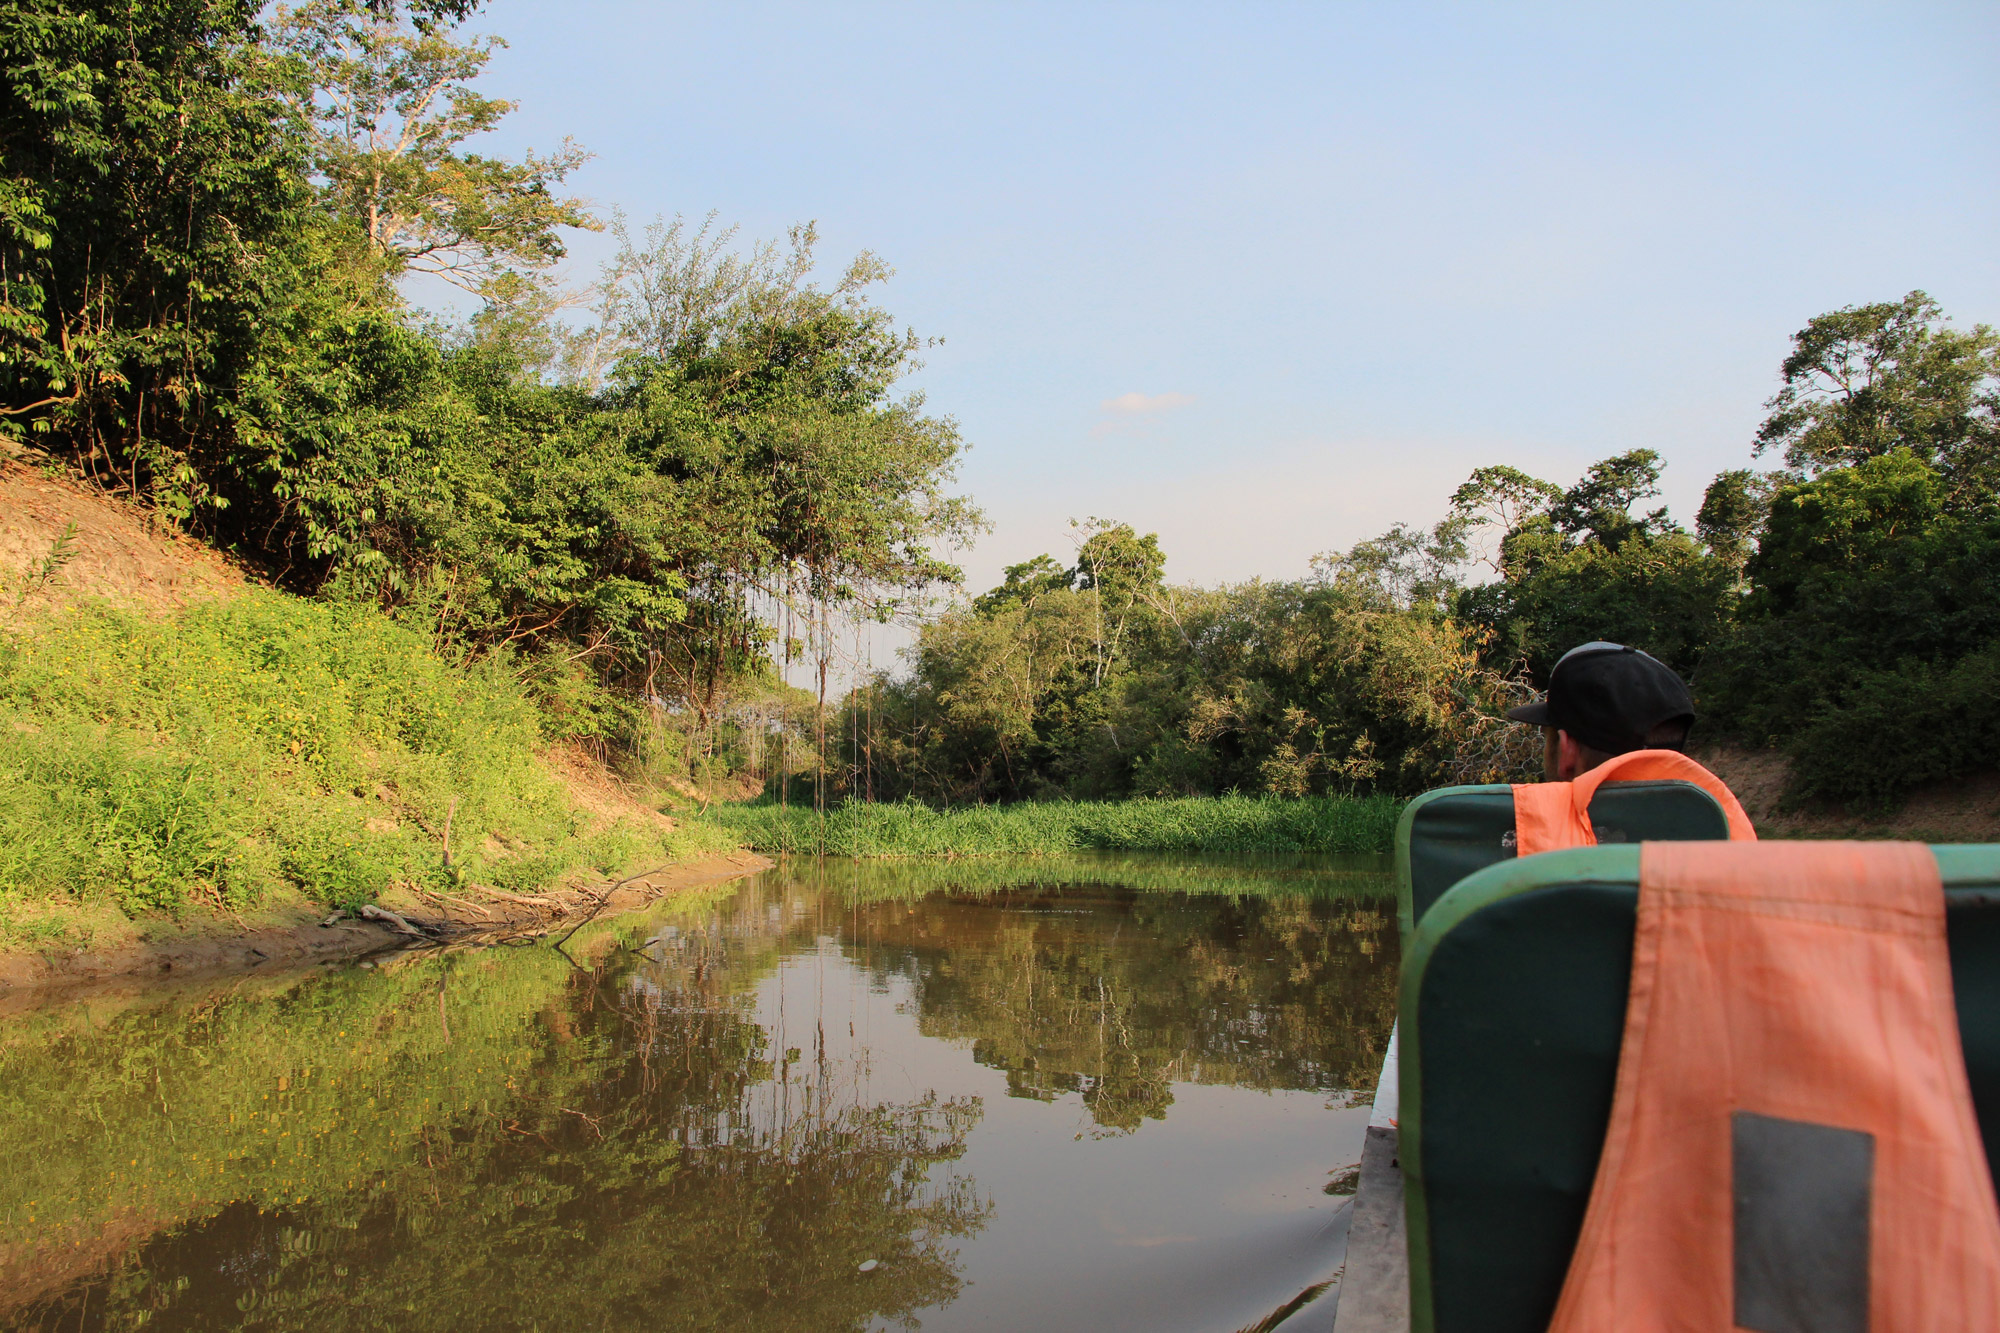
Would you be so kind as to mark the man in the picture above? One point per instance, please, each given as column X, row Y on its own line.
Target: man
column 1609, row 713
column 1606, row 700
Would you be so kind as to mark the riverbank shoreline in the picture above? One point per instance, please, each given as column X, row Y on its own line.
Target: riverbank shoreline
column 1197, row 826
column 301, row 934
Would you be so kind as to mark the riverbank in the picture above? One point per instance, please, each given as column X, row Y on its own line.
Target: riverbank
column 298, row 933
column 260, row 752
column 199, row 773
column 1209, row 824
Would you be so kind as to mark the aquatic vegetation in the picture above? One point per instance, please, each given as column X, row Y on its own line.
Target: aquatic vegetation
column 1197, row 824
column 1361, row 877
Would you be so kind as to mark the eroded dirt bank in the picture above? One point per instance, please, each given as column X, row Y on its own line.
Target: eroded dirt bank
column 211, row 943
column 1963, row 809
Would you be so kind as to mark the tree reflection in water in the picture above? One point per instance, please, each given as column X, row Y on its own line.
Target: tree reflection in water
column 1256, row 993
column 626, row 1166
column 506, row 1140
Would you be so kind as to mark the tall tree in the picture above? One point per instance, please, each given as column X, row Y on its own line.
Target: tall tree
column 1599, row 507
column 1734, row 510
column 389, row 111
column 1864, row 380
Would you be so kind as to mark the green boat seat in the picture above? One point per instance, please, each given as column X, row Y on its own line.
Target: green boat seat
column 1511, row 1017
column 1447, row 834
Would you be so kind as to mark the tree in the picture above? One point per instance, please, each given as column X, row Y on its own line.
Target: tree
column 1405, row 568
column 1843, row 523
column 674, row 293
column 1868, row 646
column 1865, row 380
column 1023, row 584
column 1119, row 569
column 389, row 106
column 1504, row 498
column 148, row 193
column 1733, row 511
column 1578, row 564
column 1599, row 507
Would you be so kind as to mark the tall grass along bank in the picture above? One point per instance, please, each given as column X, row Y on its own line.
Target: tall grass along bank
column 1362, row 877
column 1200, row 824
column 265, row 743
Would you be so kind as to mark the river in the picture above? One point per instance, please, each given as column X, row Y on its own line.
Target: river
column 1090, row 1093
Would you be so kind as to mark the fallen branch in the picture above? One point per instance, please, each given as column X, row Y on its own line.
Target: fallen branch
column 447, row 898
column 522, row 898
column 605, row 897
column 388, row 918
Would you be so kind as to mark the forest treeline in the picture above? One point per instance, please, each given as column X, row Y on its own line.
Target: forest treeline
column 644, row 498
column 1842, row 605
column 210, row 215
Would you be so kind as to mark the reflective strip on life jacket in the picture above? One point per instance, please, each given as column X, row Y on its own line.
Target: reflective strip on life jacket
column 1792, row 1141
column 1552, row 815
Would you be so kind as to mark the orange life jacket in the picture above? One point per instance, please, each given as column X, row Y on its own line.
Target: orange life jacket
column 1552, row 815
column 1792, row 1141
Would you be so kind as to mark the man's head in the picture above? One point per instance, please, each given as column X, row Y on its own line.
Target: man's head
column 1606, row 699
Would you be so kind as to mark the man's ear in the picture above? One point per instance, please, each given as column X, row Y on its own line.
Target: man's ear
column 1569, row 758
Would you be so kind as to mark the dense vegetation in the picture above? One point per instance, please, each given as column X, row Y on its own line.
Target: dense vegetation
column 206, row 224
column 1843, row 607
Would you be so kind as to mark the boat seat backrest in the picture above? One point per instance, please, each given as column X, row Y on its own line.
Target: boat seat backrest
column 1512, row 1014
column 1447, row 834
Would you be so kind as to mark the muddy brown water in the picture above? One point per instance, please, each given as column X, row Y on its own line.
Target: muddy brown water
column 1096, row 1093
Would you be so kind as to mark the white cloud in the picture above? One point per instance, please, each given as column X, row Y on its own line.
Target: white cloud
column 1137, row 404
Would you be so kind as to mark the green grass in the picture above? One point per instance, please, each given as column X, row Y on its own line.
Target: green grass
column 1361, row 877
column 241, row 747
column 1205, row 824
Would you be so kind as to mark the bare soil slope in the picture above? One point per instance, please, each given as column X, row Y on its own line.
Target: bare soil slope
column 1962, row 810
column 116, row 550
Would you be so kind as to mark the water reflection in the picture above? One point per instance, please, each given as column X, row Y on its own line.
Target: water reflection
column 752, row 1109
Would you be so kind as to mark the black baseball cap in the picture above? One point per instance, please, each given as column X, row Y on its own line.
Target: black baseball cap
column 1609, row 697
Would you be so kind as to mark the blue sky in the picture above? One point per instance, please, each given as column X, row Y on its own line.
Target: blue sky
column 1268, row 278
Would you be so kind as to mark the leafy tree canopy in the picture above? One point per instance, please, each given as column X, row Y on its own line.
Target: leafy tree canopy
column 388, row 108
column 1865, row 380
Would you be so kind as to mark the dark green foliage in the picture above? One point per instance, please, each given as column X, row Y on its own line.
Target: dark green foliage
column 1869, row 634
column 148, row 185
column 1578, row 565
column 1733, row 512
column 1597, row 511
column 1660, row 592
column 1882, row 732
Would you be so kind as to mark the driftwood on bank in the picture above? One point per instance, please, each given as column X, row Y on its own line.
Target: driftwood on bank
column 466, row 903
column 371, row 912
column 525, row 899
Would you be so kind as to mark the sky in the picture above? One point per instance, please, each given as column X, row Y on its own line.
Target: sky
column 1268, row 278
